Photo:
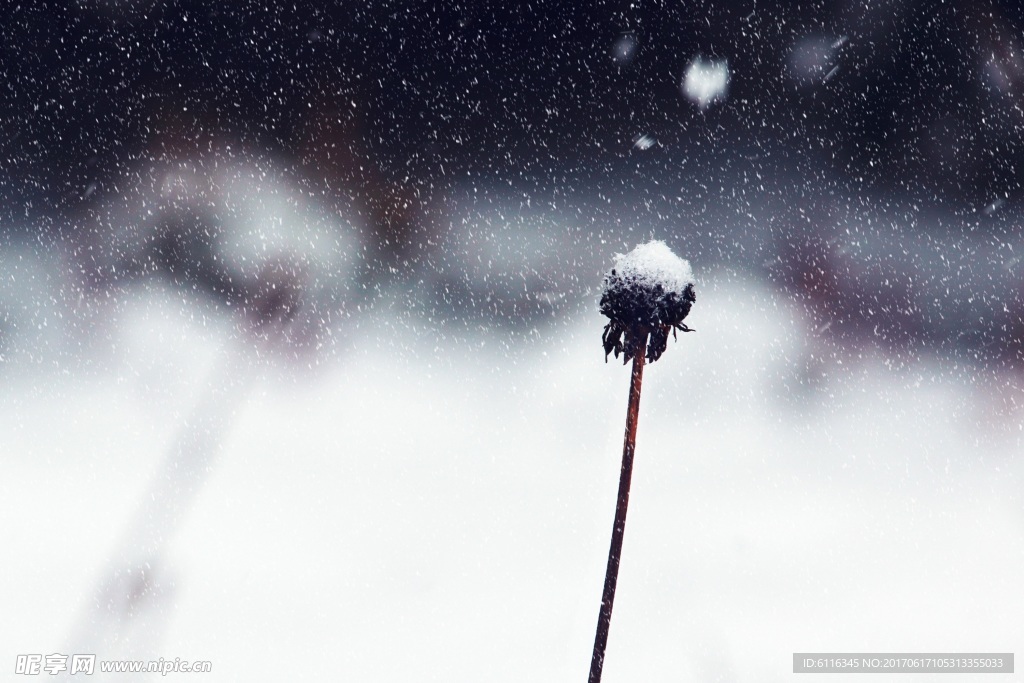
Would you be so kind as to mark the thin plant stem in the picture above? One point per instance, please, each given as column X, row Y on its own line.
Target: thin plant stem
column 611, row 575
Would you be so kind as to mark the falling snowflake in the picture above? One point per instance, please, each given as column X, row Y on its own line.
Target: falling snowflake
column 624, row 49
column 643, row 142
column 706, row 81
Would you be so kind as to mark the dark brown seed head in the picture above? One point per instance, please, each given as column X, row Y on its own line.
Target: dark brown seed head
column 649, row 292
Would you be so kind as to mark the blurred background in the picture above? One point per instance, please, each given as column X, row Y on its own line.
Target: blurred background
column 300, row 362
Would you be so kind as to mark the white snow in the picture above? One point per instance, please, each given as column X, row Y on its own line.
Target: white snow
column 706, row 81
column 653, row 264
column 485, row 518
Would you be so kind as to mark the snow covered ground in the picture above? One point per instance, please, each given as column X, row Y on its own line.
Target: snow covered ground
column 432, row 507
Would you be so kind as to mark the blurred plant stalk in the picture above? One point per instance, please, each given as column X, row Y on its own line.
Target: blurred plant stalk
column 126, row 615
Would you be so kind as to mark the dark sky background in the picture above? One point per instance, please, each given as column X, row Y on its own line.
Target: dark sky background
column 908, row 113
column 523, row 90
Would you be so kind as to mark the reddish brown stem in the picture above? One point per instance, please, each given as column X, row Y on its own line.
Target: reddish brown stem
column 611, row 574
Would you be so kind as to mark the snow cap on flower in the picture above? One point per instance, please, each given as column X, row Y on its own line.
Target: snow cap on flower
column 648, row 292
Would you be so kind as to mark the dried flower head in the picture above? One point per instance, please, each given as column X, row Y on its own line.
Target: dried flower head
column 648, row 292
column 274, row 296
